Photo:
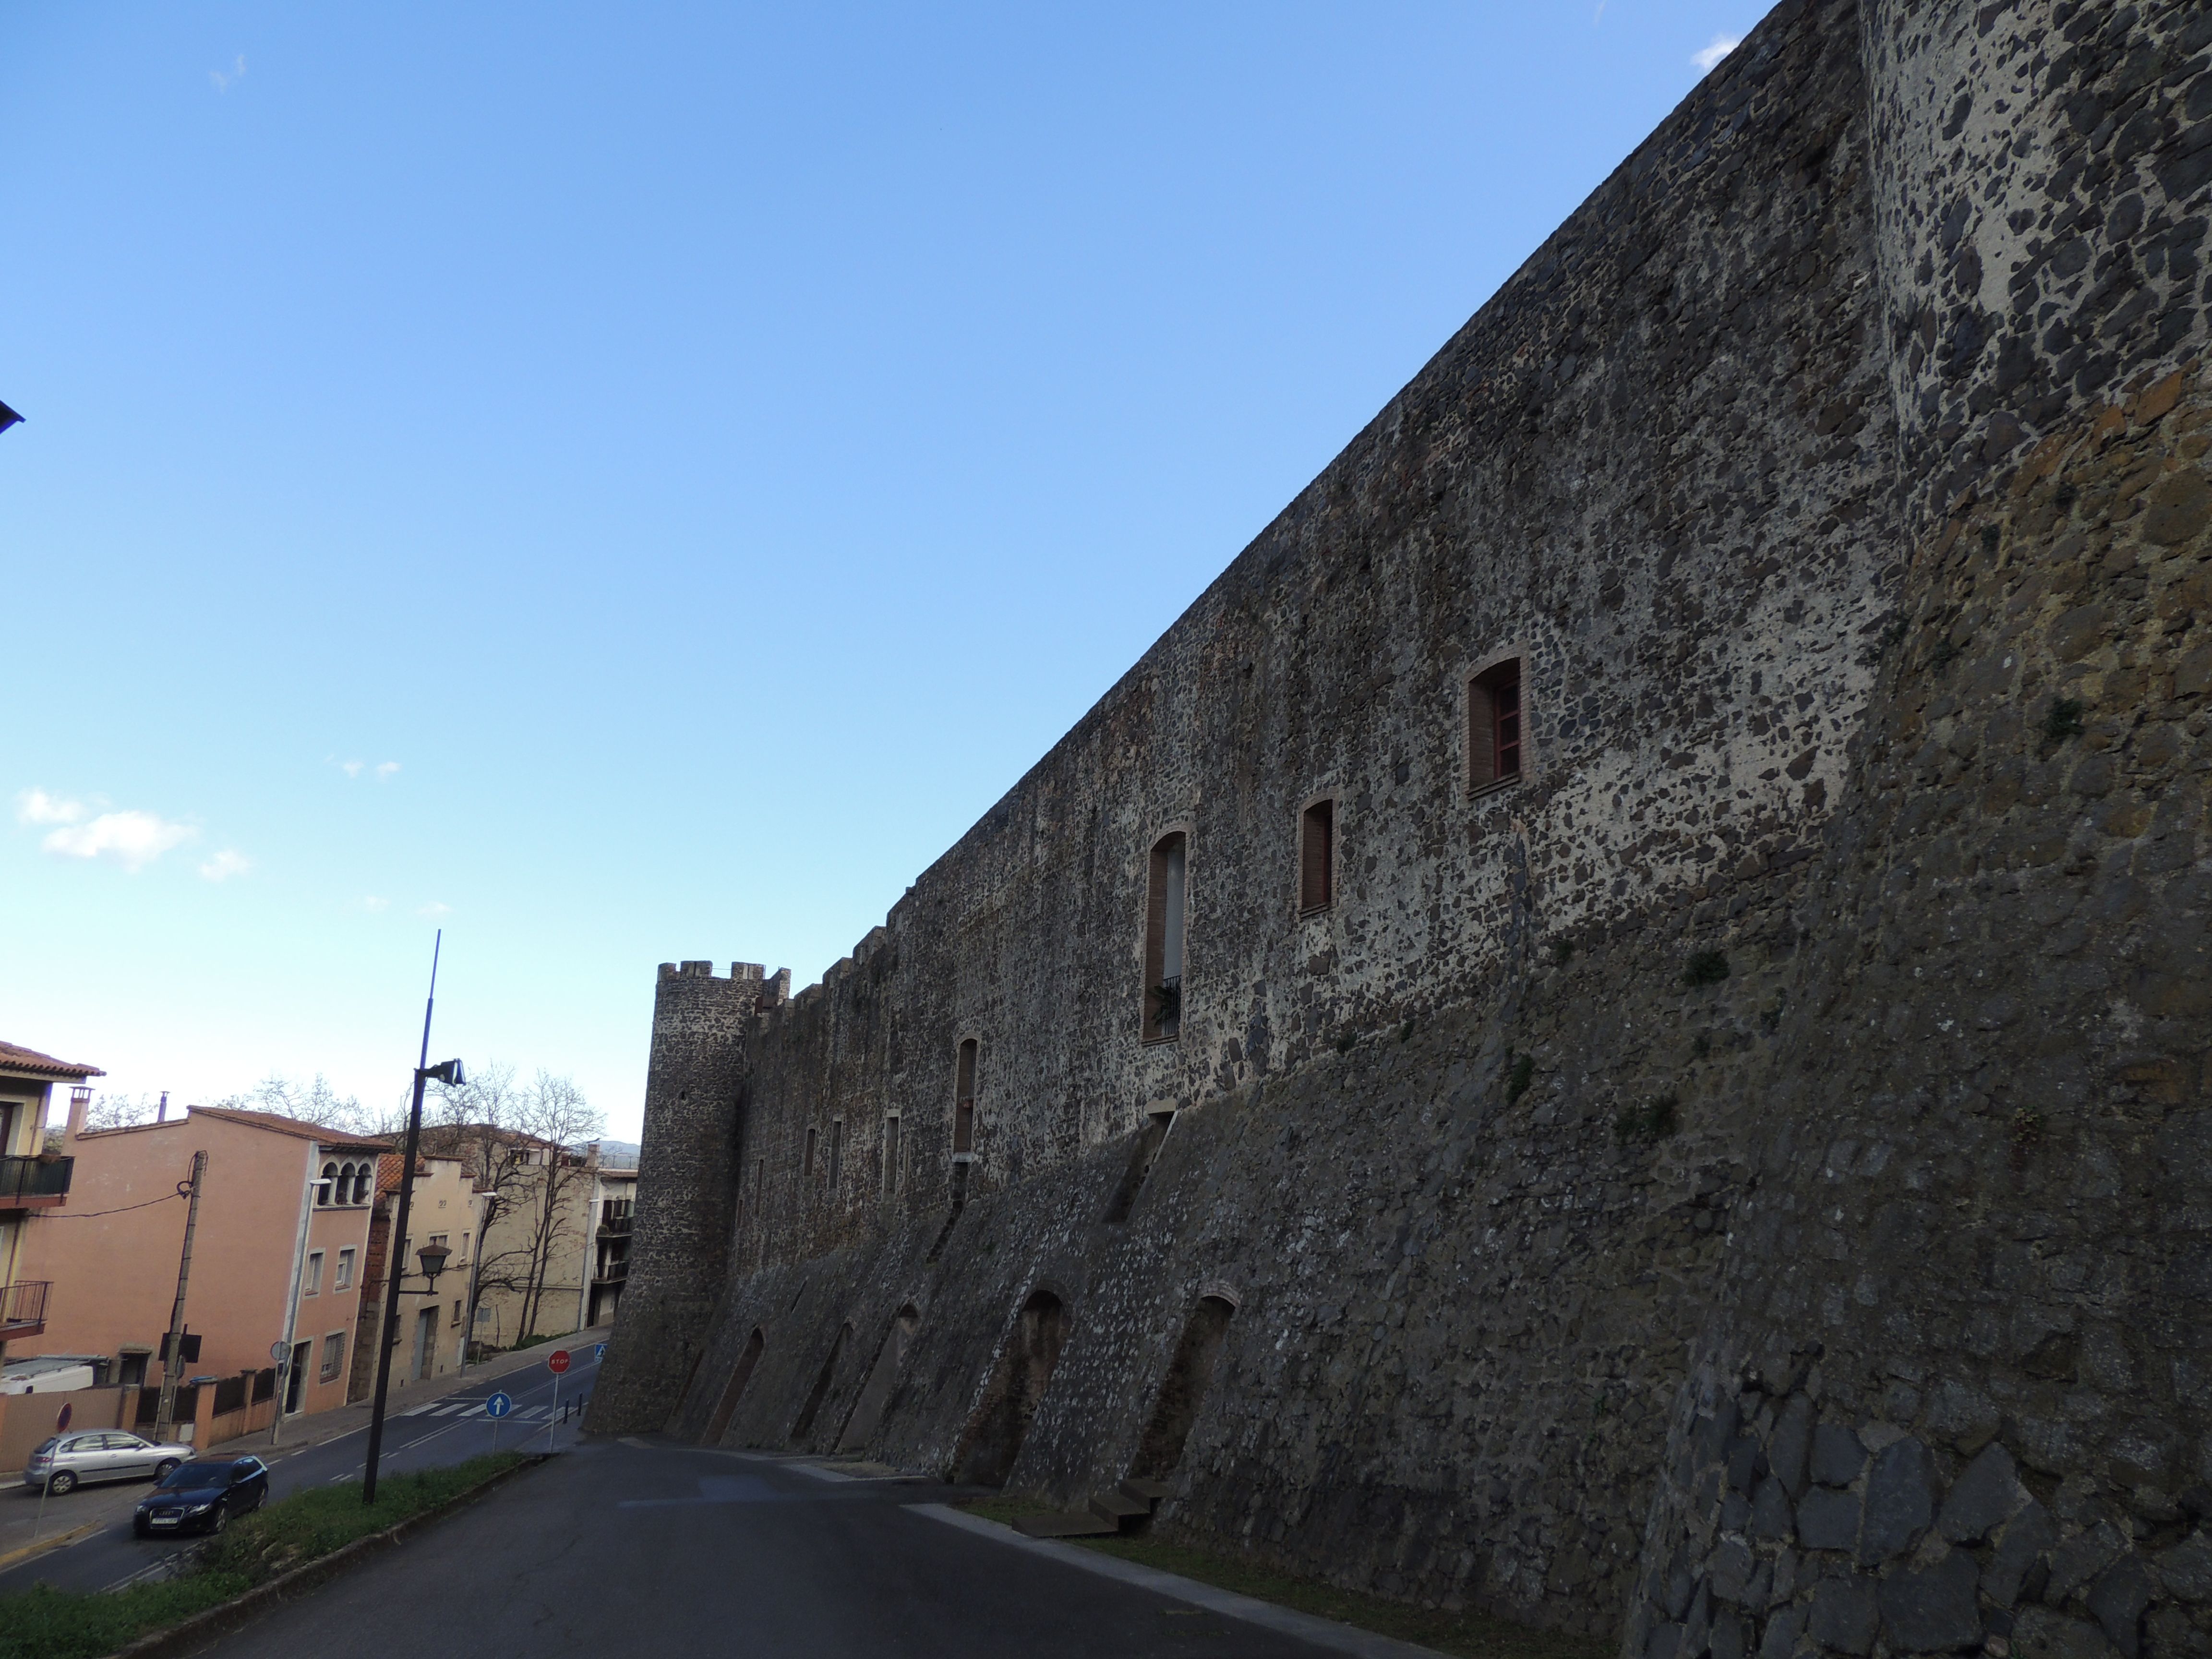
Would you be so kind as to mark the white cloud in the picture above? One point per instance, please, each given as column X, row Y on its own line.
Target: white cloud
column 1716, row 49
column 37, row 806
column 434, row 909
column 351, row 769
column 224, row 80
column 226, row 864
column 386, row 770
column 372, row 904
column 133, row 838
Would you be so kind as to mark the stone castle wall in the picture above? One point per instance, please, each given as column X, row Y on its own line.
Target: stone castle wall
column 1834, row 472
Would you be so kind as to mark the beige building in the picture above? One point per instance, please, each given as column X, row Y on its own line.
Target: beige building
column 33, row 1181
column 444, row 1212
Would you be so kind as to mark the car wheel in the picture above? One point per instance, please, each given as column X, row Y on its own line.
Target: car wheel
column 60, row 1483
column 163, row 1468
column 220, row 1519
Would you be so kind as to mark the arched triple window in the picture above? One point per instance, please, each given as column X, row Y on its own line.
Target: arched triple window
column 362, row 1176
column 326, row 1187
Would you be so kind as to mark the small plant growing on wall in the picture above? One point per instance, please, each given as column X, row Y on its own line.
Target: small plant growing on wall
column 2026, row 1134
column 1563, row 951
column 1519, row 1076
column 1705, row 968
column 1406, row 1030
column 1345, row 1043
column 1701, row 1044
column 1654, row 1121
column 2063, row 721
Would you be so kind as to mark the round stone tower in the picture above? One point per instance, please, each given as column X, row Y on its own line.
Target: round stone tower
column 686, row 1192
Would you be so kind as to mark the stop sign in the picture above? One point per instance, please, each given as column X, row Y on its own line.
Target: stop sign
column 557, row 1361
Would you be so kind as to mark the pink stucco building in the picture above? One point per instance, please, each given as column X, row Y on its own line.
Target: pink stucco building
column 277, row 1260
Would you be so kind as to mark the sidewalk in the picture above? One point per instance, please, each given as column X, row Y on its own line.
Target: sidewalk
column 108, row 1504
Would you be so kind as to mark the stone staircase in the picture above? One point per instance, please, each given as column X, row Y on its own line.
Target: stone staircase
column 1127, row 1504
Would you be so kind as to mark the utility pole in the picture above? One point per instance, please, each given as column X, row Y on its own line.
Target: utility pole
column 173, row 1364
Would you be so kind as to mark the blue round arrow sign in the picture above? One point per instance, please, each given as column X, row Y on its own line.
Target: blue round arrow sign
column 499, row 1405
column 599, row 1351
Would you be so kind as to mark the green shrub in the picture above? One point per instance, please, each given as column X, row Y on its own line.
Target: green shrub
column 2064, row 722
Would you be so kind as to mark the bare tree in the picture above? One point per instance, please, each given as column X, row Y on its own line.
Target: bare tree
column 515, row 1141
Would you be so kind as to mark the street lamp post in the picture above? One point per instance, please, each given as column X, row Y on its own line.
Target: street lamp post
column 433, row 1256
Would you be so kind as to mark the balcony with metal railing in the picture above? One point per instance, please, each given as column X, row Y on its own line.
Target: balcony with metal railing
column 23, row 1309
column 37, row 1182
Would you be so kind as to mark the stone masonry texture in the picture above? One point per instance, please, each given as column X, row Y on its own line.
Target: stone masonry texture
column 1745, row 1187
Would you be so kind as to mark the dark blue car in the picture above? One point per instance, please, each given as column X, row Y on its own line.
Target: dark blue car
column 202, row 1496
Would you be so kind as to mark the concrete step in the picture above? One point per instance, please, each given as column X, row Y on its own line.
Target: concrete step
column 1064, row 1523
column 1118, row 1507
column 1152, row 1492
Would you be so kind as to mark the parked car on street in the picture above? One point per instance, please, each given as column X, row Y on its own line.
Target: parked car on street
column 67, row 1460
column 202, row 1497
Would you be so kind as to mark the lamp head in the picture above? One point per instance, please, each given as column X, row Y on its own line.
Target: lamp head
column 449, row 1073
column 433, row 1258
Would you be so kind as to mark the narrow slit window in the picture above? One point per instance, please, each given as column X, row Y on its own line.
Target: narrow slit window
column 1164, row 938
column 891, row 1154
column 810, row 1154
column 963, row 1100
column 1317, row 857
column 1496, row 751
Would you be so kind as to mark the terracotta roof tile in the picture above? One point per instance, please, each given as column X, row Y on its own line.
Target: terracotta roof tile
column 277, row 1122
column 14, row 1057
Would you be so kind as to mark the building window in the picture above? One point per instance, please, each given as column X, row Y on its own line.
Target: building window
column 963, row 1099
column 1317, row 857
column 810, row 1154
column 836, row 1151
column 1164, row 926
column 457, row 1313
column 314, row 1285
column 324, row 1188
column 1495, row 749
column 890, row 1153
column 361, row 1180
column 333, row 1354
column 344, row 1280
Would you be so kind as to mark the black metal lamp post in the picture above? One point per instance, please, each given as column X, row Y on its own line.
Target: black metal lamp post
column 432, row 1256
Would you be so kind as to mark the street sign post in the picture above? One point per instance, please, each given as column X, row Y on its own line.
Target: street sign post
column 61, row 1426
column 498, row 1406
column 599, row 1352
column 556, row 1362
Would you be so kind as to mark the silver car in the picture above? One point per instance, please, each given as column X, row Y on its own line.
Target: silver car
column 61, row 1463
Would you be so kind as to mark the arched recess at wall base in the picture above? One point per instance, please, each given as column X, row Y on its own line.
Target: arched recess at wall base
column 803, row 1430
column 1183, row 1390
column 875, row 1396
column 993, row 1440
column 735, row 1389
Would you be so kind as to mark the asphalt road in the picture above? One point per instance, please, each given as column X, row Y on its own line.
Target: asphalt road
column 445, row 1430
column 647, row 1547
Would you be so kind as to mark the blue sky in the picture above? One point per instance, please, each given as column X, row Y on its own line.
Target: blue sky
column 635, row 484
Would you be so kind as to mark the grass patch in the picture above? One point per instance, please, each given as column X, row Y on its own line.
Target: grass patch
column 1004, row 1511
column 45, row 1623
column 1474, row 1635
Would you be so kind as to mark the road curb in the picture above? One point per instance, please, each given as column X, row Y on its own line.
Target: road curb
column 23, row 1552
column 203, row 1627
